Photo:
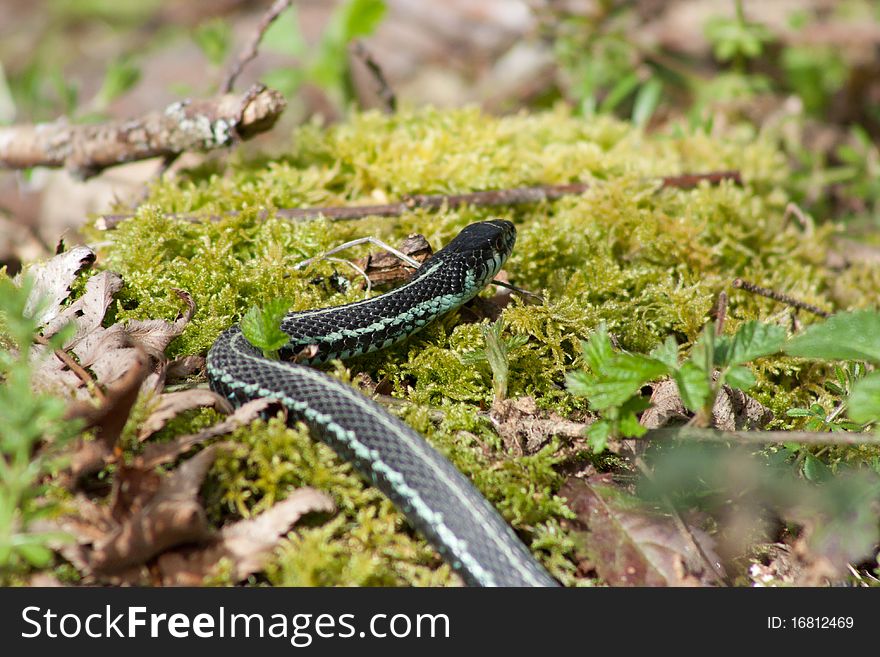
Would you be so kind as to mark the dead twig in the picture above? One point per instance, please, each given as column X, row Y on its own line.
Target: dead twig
column 189, row 125
column 252, row 49
column 720, row 313
column 432, row 202
column 779, row 296
column 762, row 437
column 74, row 367
column 384, row 92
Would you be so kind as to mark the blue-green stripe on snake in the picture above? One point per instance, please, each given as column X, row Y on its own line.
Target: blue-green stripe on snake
column 432, row 494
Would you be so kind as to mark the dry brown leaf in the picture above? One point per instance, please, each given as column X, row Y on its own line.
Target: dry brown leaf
column 156, row 334
column 87, row 312
column 172, row 404
column 173, row 516
column 524, row 429
column 734, row 410
column 630, row 545
column 161, row 453
column 52, row 281
column 385, row 268
column 246, row 544
column 108, row 420
column 108, row 353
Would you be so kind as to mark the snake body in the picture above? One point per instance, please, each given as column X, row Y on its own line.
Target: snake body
column 431, row 493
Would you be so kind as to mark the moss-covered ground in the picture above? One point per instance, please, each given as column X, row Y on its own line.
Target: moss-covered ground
column 647, row 261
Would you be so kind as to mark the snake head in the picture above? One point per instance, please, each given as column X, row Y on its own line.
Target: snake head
column 495, row 237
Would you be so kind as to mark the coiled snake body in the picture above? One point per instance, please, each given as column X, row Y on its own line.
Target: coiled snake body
column 434, row 496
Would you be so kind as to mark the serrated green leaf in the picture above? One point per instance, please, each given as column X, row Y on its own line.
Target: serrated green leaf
column 261, row 326
column 740, row 378
column 598, row 434
column 752, row 340
column 629, row 426
column 798, row 412
column 667, row 352
column 598, row 350
column 577, row 382
column 864, row 400
column 845, row 336
column 693, row 385
column 621, row 378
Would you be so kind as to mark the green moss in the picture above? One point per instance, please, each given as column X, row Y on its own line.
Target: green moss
column 646, row 260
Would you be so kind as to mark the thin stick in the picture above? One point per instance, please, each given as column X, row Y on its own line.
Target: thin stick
column 74, row 367
column 682, row 527
column 383, row 89
column 720, row 313
column 763, row 437
column 779, row 296
column 252, row 49
column 490, row 198
column 375, row 241
column 360, row 271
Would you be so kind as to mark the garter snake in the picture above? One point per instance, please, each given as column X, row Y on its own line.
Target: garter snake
column 431, row 493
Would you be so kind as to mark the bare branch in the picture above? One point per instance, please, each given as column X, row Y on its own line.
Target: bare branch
column 384, row 92
column 779, row 296
column 491, row 198
column 187, row 125
column 763, row 437
column 252, row 49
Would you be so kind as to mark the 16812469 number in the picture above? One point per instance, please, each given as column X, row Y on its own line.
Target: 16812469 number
column 810, row 623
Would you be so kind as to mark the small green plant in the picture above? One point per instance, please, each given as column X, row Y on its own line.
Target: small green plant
column 615, row 378
column 851, row 336
column 327, row 67
column 261, row 326
column 818, row 418
column 497, row 354
column 737, row 38
column 32, row 429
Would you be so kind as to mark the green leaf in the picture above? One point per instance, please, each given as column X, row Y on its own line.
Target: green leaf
column 122, row 74
column 598, row 434
column 621, row 378
column 284, row 36
column 693, row 385
column 816, row 470
column 261, row 327
column 598, row 350
column 577, row 382
column 740, row 378
column 752, row 340
column 646, row 101
column 39, row 556
column 356, row 18
column 845, row 336
column 214, row 37
column 619, row 91
column 361, row 17
column 629, row 426
column 285, row 80
column 864, row 400
column 667, row 352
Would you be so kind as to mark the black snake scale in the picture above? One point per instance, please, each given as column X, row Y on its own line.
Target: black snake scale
column 434, row 496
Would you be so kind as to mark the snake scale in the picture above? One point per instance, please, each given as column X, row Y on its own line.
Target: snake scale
column 432, row 494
